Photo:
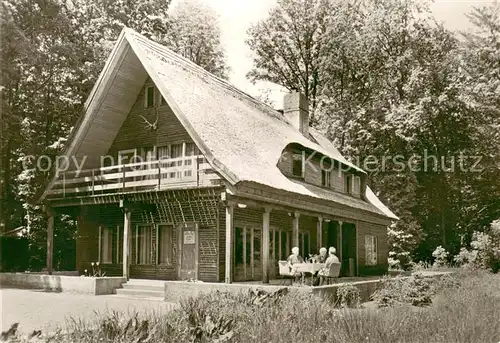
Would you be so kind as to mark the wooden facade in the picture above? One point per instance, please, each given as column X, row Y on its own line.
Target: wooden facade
column 153, row 203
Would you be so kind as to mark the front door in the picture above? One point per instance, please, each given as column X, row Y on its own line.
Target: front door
column 188, row 251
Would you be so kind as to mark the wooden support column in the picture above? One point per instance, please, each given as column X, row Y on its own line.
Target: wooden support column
column 357, row 248
column 265, row 245
column 339, row 250
column 229, row 240
column 50, row 239
column 295, row 230
column 319, row 236
column 127, row 233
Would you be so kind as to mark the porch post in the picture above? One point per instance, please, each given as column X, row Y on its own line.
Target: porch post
column 295, row 230
column 265, row 245
column 319, row 227
column 127, row 231
column 340, row 244
column 229, row 240
column 50, row 239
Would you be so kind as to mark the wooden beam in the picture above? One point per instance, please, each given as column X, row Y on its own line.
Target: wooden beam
column 319, row 235
column 50, row 240
column 127, row 231
column 295, row 230
column 340, row 247
column 357, row 247
column 265, row 245
column 136, row 206
column 229, row 239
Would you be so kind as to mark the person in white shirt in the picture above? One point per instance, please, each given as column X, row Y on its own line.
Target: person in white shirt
column 332, row 258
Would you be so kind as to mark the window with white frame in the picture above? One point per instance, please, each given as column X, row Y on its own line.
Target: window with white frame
column 165, row 244
column 370, row 250
column 106, row 244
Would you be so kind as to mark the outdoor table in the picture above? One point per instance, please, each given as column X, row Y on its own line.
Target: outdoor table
column 311, row 268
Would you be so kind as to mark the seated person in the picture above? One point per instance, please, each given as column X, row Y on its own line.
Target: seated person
column 329, row 261
column 295, row 258
column 322, row 255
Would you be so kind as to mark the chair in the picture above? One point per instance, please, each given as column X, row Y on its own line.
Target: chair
column 333, row 272
column 285, row 271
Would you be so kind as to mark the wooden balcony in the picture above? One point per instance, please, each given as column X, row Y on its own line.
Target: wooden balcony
column 176, row 173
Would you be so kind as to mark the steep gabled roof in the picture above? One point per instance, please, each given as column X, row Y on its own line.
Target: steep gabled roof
column 241, row 137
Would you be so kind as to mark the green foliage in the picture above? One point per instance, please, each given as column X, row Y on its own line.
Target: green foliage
column 348, row 295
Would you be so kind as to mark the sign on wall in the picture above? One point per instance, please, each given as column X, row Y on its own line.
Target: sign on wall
column 189, row 237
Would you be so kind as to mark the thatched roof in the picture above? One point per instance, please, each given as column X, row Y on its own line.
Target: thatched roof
column 242, row 138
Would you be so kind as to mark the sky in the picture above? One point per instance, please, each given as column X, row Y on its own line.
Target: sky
column 236, row 16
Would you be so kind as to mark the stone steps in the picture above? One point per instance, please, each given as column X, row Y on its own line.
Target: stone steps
column 142, row 289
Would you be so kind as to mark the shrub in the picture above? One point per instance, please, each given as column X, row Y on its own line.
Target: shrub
column 440, row 257
column 348, row 295
column 415, row 290
column 467, row 313
column 484, row 252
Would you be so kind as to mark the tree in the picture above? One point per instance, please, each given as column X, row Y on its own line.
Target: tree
column 287, row 44
column 52, row 52
column 394, row 85
column 195, row 34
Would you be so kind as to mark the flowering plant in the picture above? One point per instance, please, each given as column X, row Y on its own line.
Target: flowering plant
column 96, row 270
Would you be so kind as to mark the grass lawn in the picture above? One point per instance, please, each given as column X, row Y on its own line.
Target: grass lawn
column 464, row 310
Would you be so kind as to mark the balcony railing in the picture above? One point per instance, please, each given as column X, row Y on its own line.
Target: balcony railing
column 185, row 172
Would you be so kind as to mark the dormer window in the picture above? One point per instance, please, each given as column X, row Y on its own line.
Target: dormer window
column 297, row 165
column 325, row 178
column 149, row 97
column 348, row 184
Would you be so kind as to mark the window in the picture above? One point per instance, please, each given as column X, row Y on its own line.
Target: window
column 325, row 178
column 119, row 244
column 190, row 151
column 127, row 156
column 176, row 152
column 356, row 185
column 144, row 242
column 163, row 152
column 348, row 184
column 370, row 250
column 304, row 248
column 149, row 97
column 165, row 246
column 106, row 245
column 297, row 164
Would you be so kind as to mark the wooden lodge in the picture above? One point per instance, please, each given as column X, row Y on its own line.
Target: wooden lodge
column 175, row 174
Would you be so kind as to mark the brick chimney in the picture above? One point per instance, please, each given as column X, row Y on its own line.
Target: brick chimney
column 296, row 111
